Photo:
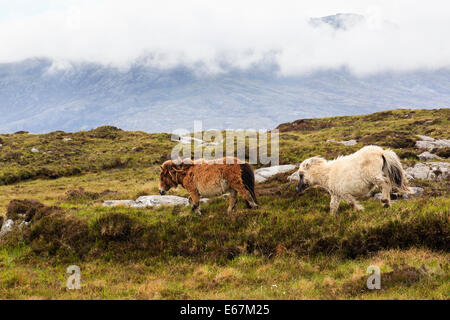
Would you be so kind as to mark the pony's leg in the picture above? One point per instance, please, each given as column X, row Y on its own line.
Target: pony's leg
column 195, row 201
column 386, row 189
column 353, row 202
column 245, row 194
column 334, row 204
column 233, row 200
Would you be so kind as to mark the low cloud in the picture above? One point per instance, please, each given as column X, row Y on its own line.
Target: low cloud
column 393, row 36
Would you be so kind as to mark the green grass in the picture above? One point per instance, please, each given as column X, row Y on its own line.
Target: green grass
column 289, row 248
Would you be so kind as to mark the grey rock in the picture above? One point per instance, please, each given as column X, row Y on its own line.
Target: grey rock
column 415, row 192
column 34, row 150
column 349, row 142
column 190, row 140
column 24, row 223
column 156, row 201
column 429, row 171
column 263, row 174
column 427, row 156
column 67, row 139
column 431, row 143
column 116, row 203
column 6, row 227
column 345, row 143
column 425, row 138
column 150, row 201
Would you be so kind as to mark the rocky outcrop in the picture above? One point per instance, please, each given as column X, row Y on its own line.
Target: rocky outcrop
column 429, row 171
column 345, row 143
column 427, row 156
column 263, row 174
column 150, row 201
column 415, row 192
column 430, row 143
column 191, row 140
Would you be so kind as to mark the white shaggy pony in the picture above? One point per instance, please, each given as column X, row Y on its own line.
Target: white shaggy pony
column 354, row 175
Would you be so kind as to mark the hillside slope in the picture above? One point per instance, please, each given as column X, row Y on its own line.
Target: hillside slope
column 289, row 248
column 60, row 154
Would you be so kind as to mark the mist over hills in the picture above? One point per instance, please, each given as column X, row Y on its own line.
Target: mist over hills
column 42, row 95
column 36, row 98
column 342, row 21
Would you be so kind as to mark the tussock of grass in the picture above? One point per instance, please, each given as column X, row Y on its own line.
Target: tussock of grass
column 219, row 237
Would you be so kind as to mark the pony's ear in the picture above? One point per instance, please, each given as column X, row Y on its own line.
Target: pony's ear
column 178, row 167
column 182, row 166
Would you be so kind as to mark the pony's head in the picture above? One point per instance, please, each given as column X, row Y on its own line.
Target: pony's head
column 171, row 175
column 306, row 178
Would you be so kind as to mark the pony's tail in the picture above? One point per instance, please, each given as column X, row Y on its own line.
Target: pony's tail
column 394, row 170
column 248, row 178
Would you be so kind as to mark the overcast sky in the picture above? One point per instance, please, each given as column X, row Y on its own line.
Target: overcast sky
column 397, row 35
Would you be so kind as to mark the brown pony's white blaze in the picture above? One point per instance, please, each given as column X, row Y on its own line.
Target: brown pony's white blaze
column 202, row 178
column 354, row 176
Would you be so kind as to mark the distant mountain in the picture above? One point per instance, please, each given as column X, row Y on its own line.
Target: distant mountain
column 37, row 97
column 339, row 21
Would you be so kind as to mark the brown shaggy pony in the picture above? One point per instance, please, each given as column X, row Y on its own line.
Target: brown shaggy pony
column 203, row 178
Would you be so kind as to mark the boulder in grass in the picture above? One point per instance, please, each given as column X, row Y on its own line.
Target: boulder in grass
column 190, row 140
column 120, row 203
column 425, row 138
column 150, row 201
column 430, row 143
column 415, row 192
column 263, row 174
column 429, row 171
column 427, row 156
column 347, row 143
column 7, row 226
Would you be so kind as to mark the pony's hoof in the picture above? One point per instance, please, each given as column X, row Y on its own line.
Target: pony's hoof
column 198, row 212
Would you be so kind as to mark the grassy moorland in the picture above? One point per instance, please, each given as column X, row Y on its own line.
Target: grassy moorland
column 290, row 248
